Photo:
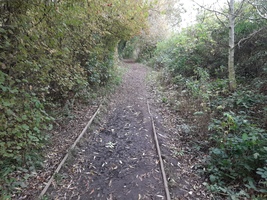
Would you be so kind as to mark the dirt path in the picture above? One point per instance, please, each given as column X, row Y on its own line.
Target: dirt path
column 120, row 160
column 117, row 160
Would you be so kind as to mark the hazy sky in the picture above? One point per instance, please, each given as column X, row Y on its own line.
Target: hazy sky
column 189, row 16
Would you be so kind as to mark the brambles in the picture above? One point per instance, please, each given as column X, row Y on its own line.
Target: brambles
column 239, row 152
column 51, row 52
column 193, row 63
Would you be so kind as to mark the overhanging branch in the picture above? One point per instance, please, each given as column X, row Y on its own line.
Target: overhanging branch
column 250, row 36
column 256, row 6
column 211, row 10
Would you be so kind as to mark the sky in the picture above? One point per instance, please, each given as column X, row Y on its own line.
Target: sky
column 189, row 16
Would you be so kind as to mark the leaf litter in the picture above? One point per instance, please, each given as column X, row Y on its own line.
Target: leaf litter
column 118, row 159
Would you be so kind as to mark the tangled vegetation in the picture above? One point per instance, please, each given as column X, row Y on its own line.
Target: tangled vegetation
column 195, row 63
column 50, row 52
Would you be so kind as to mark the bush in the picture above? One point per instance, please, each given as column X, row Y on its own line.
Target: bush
column 22, row 130
column 49, row 52
column 194, row 61
column 239, row 154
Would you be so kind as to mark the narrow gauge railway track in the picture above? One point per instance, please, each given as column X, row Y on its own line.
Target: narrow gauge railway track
column 84, row 131
column 68, row 153
column 123, row 159
column 168, row 196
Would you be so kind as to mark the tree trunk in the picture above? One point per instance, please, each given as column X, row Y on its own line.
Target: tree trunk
column 231, row 54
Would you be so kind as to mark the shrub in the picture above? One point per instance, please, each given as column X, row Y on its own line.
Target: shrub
column 23, row 127
column 239, row 154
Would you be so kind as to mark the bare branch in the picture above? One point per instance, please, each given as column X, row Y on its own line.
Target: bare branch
column 211, row 10
column 256, row 6
column 221, row 22
column 250, row 36
column 260, row 14
column 240, row 8
column 155, row 10
column 228, row 2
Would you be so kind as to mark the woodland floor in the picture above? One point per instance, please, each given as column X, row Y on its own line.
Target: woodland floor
column 117, row 158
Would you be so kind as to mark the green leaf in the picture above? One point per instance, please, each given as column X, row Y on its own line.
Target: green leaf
column 2, row 134
column 256, row 155
column 2, row 30
column 33, row 138
column 24, row 117
column 245, row 136
column 36, row 129
column 216, row 151
column 251, row 184
column 25, row 127
column 2, row 77
column 14, row 91
column 3, row 88
column 213, row 178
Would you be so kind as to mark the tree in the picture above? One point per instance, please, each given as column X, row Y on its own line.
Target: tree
column 164, row 17
column 51, row 50
column 261, row 7
column 231, row 49
column 231, row 16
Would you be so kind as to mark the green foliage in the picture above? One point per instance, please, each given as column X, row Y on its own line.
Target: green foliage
column 23, row 123
column 205, row 45
column 198, row 87
column 139, row 48
column 263, row 173
column 99, row 70
column 51, row 52
column 194, row 61
column 240, row 152
column 147, row 49
column 128, row 50
column 184, row 53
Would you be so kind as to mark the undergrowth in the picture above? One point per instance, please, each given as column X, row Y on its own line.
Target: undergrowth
column 23, row 148
column 53, row 54
column 233, row 126
column 229, row 126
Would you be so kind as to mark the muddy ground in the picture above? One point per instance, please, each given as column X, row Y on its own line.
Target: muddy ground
column 117, row 158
